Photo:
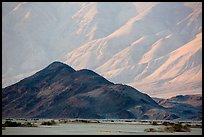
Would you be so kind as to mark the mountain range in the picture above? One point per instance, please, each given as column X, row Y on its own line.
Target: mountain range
column 155, row 47
column 158, row 51
column 59, row 91
column 184, row 104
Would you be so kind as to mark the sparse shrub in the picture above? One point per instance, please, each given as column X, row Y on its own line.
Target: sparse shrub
column 63, row 121
column 104, row 131
column 84, row 121
column 9, row 119
column 12, row 124
column 177, row 128
column 188, row 125
column 27, row 124
column 165, row 123
column 168, row 129
column 17, row 124
column 171, row 124
column 150, row 130
column 196, row 126
column 49, row 123
column 154, row 123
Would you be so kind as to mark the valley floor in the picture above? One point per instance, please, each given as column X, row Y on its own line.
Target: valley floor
column 102, row 128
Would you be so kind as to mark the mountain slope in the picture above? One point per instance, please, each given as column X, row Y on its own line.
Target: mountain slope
column 59, row 91
column 180, row 72
column 189, row 105
column 159, row 46
column 129, row 43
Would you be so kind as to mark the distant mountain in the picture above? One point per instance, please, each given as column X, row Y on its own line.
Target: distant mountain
column 155, row 47
column 189, row 106
column 159, row 50
column 156, row 99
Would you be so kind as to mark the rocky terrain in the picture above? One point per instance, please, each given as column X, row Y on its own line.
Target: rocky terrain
column 189, row 106
column 59, row 91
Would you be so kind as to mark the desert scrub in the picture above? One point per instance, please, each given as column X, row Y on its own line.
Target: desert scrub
column 17, row 124
column 104, row 131
column 28, row 124
column 150, row 130
column 154, row 123
column 49, row 123
column 63, row 121
column 171, row 127
column 166, row 123
column 194, row 126
column 177, row 128
column 11, row 124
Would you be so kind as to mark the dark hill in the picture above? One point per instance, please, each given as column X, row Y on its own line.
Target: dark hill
column 59, row 91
